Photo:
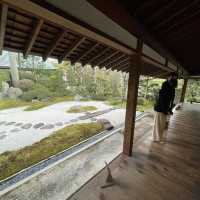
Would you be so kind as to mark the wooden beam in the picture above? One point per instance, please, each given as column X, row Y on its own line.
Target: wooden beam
column 53, row 45
column 87, row 52
column 131, row 25
column 62, row 22
column 71, row 49
column 98, row 55
column 183, row 90
column 4, row 12
column 180, row 11
column 133, row 84
column 106, row 58
column 36, row 29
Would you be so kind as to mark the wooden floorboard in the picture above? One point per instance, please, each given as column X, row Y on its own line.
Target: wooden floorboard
column 156, row 171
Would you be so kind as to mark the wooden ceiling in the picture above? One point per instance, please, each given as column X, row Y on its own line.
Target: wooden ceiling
column 175, row 24
column 30, row 29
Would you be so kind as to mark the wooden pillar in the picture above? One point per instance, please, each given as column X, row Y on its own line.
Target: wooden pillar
column 133, row 83
column 183, row 90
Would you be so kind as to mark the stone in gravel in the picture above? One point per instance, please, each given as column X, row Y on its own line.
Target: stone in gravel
column 2, row 137
column 10, row 123
column 2, row 122
column 59, row 124
column 39, row 125
column 15, row 130
column 73, row 120
column 19, row 124
column 48, row 126
column 106, row 124
column 26, row 126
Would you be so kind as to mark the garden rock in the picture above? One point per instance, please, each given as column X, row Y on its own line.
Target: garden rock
column 26, row 126
column 39, row 125
column 14, row 93
column 19, row 124
column 24, row 84
column 59, row 124
column 48, row 126
column 15, row 130
column 2, row 122
column 106, row 124
column 2, row 137
column 10, row 123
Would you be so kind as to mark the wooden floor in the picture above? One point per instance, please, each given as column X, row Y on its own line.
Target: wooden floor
column 169, row 171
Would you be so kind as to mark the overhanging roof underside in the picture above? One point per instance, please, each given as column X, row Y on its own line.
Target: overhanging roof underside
column 175, row 23
column 27, row 31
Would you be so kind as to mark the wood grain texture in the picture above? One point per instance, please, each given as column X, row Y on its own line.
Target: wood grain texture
column 156, row 171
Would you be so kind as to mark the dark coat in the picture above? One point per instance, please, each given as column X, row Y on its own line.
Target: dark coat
column 164, row 102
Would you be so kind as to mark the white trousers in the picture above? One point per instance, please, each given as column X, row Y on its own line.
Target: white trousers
column 159, row 126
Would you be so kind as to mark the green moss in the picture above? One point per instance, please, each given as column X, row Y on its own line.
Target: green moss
column 12, row 162
column 36, row 106
column 118, row 103
column 12, row 103
column 80, row 109
column 40, row 104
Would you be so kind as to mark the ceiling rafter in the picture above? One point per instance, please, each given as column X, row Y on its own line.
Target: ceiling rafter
column 159, row 12
column 143, row 6
column 182, row 20
column 111, row 59
column 101, row 61
column 171, row 17
column 113, row 62
column 3, row 20
column 71, row 48
column 97, row 56
column 124, row 67
column 185, row 30
column 117, row 65
column 36, row 29
column 54, row 44
column 87, row 52
column 121, row 65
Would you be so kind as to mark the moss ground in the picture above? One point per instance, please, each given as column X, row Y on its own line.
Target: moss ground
column 12, row 162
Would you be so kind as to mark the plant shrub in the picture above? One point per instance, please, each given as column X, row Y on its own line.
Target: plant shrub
column 38, row 92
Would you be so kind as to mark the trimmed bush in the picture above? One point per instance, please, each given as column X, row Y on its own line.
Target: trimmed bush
column 38, row 92
column 25, row 84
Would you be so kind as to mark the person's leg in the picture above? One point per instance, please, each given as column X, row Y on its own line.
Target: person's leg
column 155, row 132
column 162, row 122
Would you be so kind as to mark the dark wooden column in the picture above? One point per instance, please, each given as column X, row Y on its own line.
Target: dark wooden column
column 133, row 83
column 183, row 90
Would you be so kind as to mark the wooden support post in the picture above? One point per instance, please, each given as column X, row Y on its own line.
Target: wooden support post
column 133, row 83
column 183, row 90
column 3, row 20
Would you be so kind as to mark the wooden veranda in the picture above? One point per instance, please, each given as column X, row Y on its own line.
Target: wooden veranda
column 149, row 38
column 169, row 171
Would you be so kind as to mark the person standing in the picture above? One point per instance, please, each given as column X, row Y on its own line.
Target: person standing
column 163, row 106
